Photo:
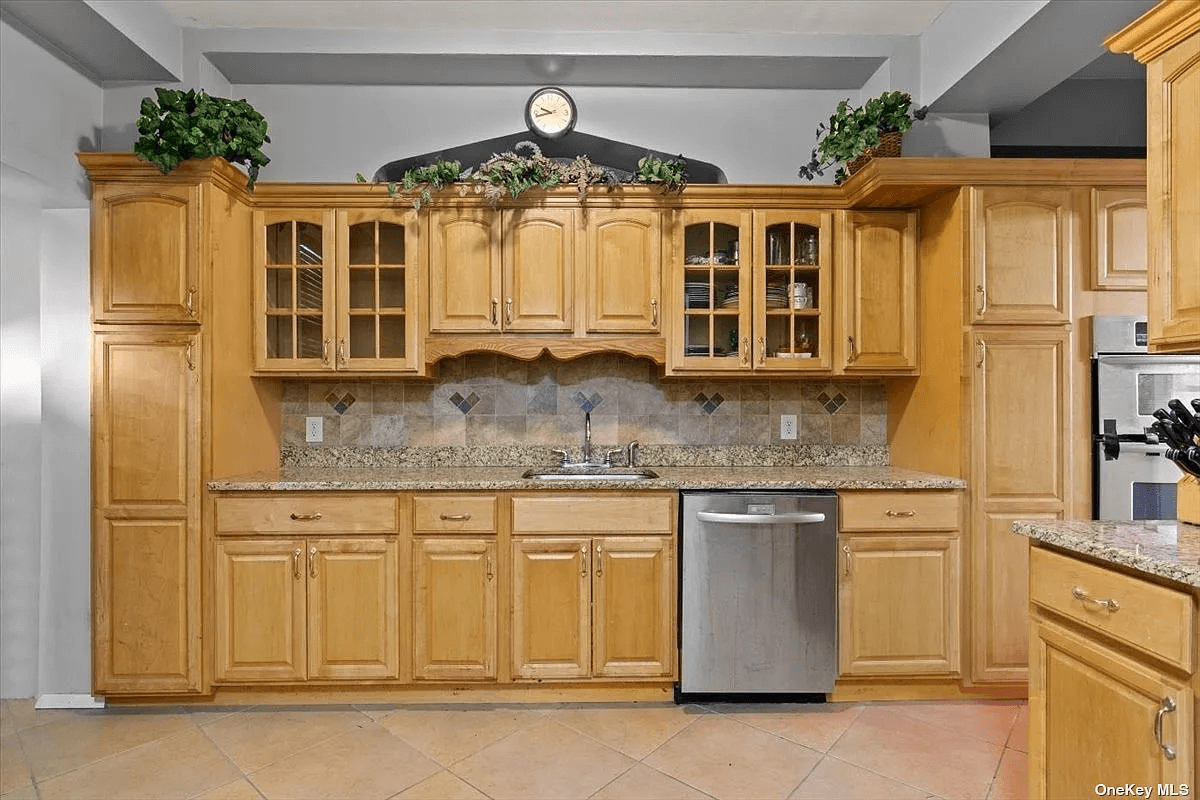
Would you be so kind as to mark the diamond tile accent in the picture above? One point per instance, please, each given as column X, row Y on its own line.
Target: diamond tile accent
column 709, row 404
column 588, row 404
column 340, row 404
column 832, row 404
column 464, row 404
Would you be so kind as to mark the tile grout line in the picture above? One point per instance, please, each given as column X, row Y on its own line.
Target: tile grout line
column 226, row 756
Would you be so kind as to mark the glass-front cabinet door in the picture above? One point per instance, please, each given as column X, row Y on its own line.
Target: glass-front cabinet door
column 294, row 290
column 711, row 292
column 793, row 297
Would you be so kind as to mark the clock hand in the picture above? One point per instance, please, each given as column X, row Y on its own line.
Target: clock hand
column 541, row 112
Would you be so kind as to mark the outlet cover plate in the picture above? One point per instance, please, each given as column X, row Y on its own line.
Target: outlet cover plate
column 314, row 429
column 787, row 426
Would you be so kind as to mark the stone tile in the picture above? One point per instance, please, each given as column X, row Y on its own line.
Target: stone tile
column 195, row 766
column 294, row 392
column 546, row 761
column 547, row 430
column 241, row 789
column 845, row 428
column 512, row 370
column 448, row 430
column 355, row 430
column 387, row 397
column 418, row 430
column 418, row 398
column 83, row 738
column 293, row 430
column 365, row 762
column 510, row 429
column 814, row 429
column 479, row 368
column 755, row 429
column 256, row 738
column 510, row 400
column 451, row 369
column 636, row 731
column 14, row 772
column 665, row 430
column 24, row 793
column 376, row 711
column 816, row 726
column 728, row 759
column 604, row 431
column 386, row 430
column 988, row 721
column 759, row 391
column 874, row 429
column 541, row 399
column 1019, row 738
column 442, row 786
column 450, row 735
column 644, row 783
column 874, row 398
column 1012, row 778
column 836, row 780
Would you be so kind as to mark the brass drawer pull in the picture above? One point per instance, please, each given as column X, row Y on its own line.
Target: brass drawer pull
column 583, row 562
column 508, row 311
column 191, row 301
column 1167, row 706
column 1080, row 594
column 490, row 572
column 495, row 308
column 853, row 351
column 849, row 557
column 654, row 312
column 891, row 513
column 296, row 571
column 313, row 517
column 455, row 517
column 312, row 561
column 599, row 562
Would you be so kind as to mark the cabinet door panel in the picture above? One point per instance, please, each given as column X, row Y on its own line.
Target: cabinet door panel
column 454, row 608
column 294, row 288
column 551, row 614
column 260, row 610
column 624, row 264
column 353, row 608
column 878, row 287
column 464, row 271
column 633, row 612
column 539, row 270
column 1119, row 239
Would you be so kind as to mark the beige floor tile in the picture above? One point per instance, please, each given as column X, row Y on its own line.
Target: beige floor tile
column 1019, row 738
column 728, row 759
column 208, row 715
column 947, row 764
column 634, row 730
column 367, row 762
column 241, row 789
column 14, row 772
column 84, row 737
column 442, row 786
column 837, row 780
column 6, row 721
column 448, row 735
column 643, row 783
column 816, row 725
column 262, row 736
column 377, row 711
column 1012, row 779
column 546, row 761
column 990, row 721
column 178, row 766
column 24, row 793
column 21, row 714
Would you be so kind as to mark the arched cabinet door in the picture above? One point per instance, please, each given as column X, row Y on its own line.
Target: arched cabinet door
column 624, row 266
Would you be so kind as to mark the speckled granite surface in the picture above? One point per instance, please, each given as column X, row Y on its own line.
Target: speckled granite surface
column 1166, row 548
column 509, row 479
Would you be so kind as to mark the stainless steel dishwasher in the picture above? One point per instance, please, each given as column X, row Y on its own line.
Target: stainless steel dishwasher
column 758, row 601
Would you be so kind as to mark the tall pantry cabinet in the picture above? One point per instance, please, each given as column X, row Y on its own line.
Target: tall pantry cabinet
column 166, row 317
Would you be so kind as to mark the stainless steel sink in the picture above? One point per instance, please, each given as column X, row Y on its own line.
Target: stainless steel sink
column 589, row 472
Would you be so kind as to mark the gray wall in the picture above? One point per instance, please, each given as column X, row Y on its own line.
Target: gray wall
column 1081, row 112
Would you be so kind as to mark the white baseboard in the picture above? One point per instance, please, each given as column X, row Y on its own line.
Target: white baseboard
column 68, row 701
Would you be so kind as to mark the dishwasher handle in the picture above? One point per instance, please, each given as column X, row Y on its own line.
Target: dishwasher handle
column 797, row 518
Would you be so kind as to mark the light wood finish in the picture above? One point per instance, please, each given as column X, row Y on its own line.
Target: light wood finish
column 633, row 606
column 898, row 604
column 454, row 513
column 899, row 511
column 1118, row 239
column 1154, row 619
column 908, row 687
column 877, row 293
column 454, row 608
column 655, row 690
column 559, row 515
column 624, row 271
column 539, row 252
column 305, row 513
column 775, row 331
column 551, row 608
column 261, row 626
column 528, row 347
column 1092, row 713
column 146, row 242
column 464, row 271
column 1024, row 243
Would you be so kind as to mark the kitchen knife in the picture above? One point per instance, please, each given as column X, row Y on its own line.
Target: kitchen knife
column 1181, row 413
column 1184, row 461
column 1196, row 404
column 1169, row 432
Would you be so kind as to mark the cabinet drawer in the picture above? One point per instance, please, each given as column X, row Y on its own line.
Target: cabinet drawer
column 454, row 513
column 875, row 511
column 304, row 513
column 1150, row 617
column 562, row 515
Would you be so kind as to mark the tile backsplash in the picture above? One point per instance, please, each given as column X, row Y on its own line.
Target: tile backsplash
column 483, row 399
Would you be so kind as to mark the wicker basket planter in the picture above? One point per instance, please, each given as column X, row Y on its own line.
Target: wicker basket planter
column 889, row 147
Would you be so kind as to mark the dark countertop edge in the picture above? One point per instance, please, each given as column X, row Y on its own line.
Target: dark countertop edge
column 1187, row 575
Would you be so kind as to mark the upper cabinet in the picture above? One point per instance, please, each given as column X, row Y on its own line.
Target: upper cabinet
column 624, row 271
column 1118, row 238
column 1167, row 40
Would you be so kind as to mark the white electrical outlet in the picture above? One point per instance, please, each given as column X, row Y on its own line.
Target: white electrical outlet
column 787, row 426
column 314, row 429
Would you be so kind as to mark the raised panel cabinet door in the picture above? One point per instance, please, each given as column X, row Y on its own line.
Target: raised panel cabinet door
column 624, row 271
column 259, row 595
column 877, row 286
column 454, row 608
column 1093, row 715
column 464, row 271
column 353, row 608
column 294, row 268
column 145, row 606
column 1119, row 238
column 633, row 607
column 1024, row 245
column 551, row 608
column 898, row 602
column 539, row 270
column 146, row 253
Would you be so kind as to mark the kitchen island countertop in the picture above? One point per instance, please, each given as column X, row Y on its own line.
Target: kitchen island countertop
column 1164, row 548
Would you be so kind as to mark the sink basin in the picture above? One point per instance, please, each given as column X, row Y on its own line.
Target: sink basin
column 589, row 472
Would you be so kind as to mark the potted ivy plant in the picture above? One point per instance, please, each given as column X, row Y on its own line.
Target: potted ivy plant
column 193, row 124
column 855, row 135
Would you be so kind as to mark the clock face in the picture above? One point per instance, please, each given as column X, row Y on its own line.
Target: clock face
column 550, row 112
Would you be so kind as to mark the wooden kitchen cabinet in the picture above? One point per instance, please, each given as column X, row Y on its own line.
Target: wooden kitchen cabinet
column 455, row 600
column 633, row 605
column 877, row 293
column 624, row 270
column 1118, row 253
column 551, row 607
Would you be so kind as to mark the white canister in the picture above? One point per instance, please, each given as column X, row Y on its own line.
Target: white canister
column 799, row 294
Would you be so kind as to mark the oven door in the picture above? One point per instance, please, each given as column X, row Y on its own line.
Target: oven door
column 1130, row 387
column 1140, row 484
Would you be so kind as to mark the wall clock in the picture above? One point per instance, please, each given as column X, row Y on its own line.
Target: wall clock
column 550, row 113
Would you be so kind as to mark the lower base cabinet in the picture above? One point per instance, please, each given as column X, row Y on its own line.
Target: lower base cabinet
column 454, row 608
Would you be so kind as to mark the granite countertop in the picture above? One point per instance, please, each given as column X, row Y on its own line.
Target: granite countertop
column 509, row 479
column 1164, row 548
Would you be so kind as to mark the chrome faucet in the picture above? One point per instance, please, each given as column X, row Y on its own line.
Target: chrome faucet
column 586, row 455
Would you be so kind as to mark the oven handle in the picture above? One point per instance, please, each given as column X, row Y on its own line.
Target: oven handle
column 797, row 518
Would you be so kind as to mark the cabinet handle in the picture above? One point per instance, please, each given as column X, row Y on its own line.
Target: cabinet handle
column 190, row 302
column 981, row 346
column 341, row 352
column 455, row 517
column 849, row 555
column 296, row 571
column 312, row 561
column 980, row 298
column 599, row 562
column 853, row 352
column 745, row 351
column 762, row 350
column 891, row 513
column 1167, row 706
column 654, row 312
column 495, row 309
column 313, row 517
column 490, row 573
column 508, row 311
column 325, row 351
column 1110, row 604
column 187, row 356
column 583, row 561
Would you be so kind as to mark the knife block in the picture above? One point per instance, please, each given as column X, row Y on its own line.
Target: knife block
column 1187, row 500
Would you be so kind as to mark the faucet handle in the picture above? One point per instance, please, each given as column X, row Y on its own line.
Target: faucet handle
column 631, row 450
column 562, row 455
column 608, row 455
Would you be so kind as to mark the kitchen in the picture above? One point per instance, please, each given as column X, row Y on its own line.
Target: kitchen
column 360, row 401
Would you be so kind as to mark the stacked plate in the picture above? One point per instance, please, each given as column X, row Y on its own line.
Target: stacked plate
column 731, row 297
column 695, row 294
column 777, row 295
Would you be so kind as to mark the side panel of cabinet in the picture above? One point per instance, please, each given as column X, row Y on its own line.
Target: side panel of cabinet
column 353, row 608
column 146, row 254
column 633, row 614
column 1119, row 239
column 877, row 284
column 464, row 271
column 454, row 608
column 551, row 630
column 259, row 595
column 539, row 270
column 624, row 271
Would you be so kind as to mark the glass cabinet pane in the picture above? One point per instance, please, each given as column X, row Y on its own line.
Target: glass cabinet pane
column 391, row 336
column 362, row 336
column 391, row 243
column 308, row 337
column 279, row 243
column 279, row 288
column 376, row 301
column 310, row 288
column 711, row 289
column 391, row 288
column 308, row 243
column 295, row 290
column 362, row 243
column 279, row 337
column 362, row 288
